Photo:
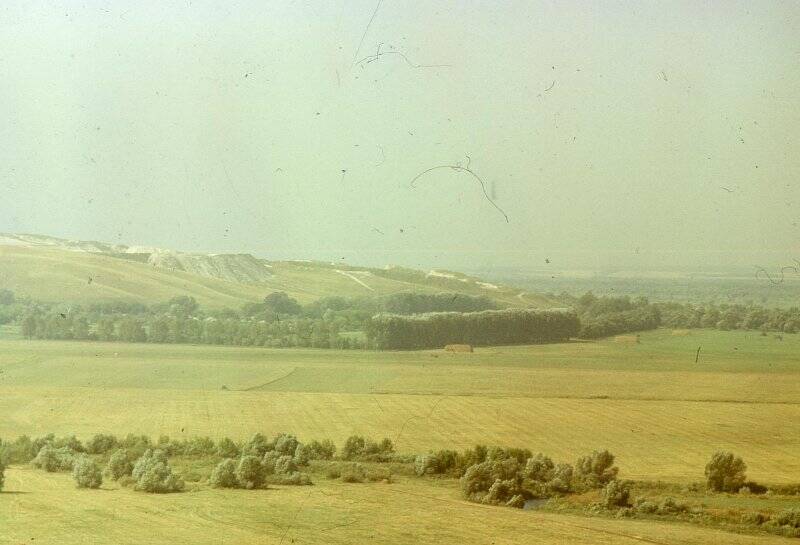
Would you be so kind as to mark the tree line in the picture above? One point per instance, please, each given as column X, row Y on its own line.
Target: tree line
column 488, row 327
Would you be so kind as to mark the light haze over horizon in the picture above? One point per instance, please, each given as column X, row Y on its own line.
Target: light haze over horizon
column 611, row 134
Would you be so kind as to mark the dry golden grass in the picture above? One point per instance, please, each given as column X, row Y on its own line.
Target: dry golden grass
column 47, row 508
column 668, row 440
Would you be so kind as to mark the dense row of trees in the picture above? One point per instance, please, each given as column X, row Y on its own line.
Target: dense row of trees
column 400, row 321
column 490, row 327
column 303, row 332
column 606, row 316
column 728, row 317
column 277, row 321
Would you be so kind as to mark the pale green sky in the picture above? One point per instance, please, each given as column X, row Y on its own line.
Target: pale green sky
column 608, row 129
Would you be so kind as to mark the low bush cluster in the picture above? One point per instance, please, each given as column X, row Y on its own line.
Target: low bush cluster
column 153, row 473
column 86, row 472
column 511, row 476
column 263, row 461
column 53, row 459
column 786, row 523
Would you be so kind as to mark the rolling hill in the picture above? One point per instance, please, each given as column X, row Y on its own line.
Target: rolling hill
column 58, row 270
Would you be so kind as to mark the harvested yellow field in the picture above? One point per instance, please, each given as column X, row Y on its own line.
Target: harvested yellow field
column 668, row 440
column 406, row 512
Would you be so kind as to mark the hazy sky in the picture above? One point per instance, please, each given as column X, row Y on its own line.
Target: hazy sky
column 641, row 134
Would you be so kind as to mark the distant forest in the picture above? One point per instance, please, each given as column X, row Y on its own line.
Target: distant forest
column 398, row 321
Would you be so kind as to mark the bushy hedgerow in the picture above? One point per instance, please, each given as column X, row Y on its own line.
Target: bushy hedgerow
column 224, row 475
column 358, row 448
column 295, row 478
column 352, row 473
column 667, row 506
column 616, row 494
column 285, row 444
column 285, row 465
column 153, row 473
column 199, row 446
column 321, row 450
column 227, row 448
column 725, row 472
column 53, row 459
column 455, row 464
column 257, row 445
column 495, row 482
column 543, row 478
column 101, row 443
column 86, row 472
column 785, row 523
column 353, row 447
column 119, row 464
column 136, row 445
column 250, row 472
column 595, row 470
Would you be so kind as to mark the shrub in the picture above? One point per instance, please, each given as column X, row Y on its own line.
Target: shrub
column 668, row 506
column 172, row 447
column 86, row 473
column 788, row 517
column 725, row 472
column 153, row 473
column 119, row 465
column 249, row 472
column 595, row 470
column 127, row 481
column 495, row 482
column 353, row 473
column 752, row 487
column 379, row 474
column 644, row 506
column 224, row 475
column 353, row 447
column 285, row 444
column 227, row 448
column 2, row 475
column 425, row 464
column 269, row 461
column 20, row 451
column 539, row 468
column 562, row 479
column 295, row 478
column 324, row 450
column 754, row 518
column 285, row 465
column 101, row 443
column 258, row 445
column 70, row 442
column 199, row 446
column 506, row 492
column 302, row 455
column 616, row 494
column 53, row 459
column 136, row 445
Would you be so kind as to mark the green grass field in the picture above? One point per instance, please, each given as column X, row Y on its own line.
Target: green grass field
column 660, row 412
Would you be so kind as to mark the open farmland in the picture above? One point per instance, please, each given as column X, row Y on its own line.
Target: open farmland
column 405, row 512
column 661, row 413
